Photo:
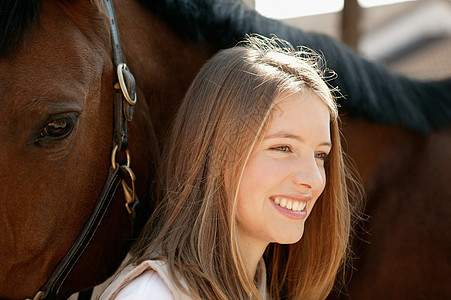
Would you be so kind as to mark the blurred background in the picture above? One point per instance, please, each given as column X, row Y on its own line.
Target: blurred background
column 409, row 37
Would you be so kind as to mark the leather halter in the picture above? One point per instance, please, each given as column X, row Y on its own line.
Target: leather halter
column 124, row 101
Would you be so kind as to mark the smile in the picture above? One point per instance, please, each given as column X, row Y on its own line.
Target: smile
column 290, row 204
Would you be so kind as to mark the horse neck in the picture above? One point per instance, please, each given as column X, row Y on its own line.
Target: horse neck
column 374, row 147
column 163, row 63
column 398, row 163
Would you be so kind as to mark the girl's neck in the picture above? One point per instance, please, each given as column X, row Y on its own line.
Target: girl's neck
column 251, row 254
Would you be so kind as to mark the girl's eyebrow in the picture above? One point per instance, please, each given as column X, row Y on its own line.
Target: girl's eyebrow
column 283, row 134
column 287, row 135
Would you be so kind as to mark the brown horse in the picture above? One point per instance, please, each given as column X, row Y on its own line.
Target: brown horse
column 56, row 90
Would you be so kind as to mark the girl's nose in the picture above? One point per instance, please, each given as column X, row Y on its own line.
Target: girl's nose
column 308, row 174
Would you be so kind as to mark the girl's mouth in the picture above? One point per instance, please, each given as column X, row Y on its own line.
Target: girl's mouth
column 289, row 203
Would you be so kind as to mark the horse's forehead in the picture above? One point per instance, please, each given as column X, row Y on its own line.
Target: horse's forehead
column 65, row 33
column 59, row 53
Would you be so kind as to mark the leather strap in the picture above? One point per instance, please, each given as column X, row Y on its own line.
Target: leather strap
column 53, row 285
column 115, row 40
column 120, row 127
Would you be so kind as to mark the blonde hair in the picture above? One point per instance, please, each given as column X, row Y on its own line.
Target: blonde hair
column 216, row 128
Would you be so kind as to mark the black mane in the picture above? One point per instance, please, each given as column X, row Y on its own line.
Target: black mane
column 371, row 90
column 16, row 19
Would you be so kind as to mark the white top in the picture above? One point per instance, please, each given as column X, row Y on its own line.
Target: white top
column 147, row 286
column 151, row 281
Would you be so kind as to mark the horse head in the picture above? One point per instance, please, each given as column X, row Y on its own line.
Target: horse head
column 57, row 132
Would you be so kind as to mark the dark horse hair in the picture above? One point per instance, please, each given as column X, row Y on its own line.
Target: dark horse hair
column 370, row 90
column 16, row 19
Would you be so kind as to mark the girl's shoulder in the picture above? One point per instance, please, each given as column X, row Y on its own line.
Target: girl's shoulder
column 148, row 280
column 147, row 285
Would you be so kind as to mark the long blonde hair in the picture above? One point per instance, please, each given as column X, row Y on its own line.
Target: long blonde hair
column 217, row 126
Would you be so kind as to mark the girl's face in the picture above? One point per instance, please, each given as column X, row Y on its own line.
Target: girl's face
column 285, row 173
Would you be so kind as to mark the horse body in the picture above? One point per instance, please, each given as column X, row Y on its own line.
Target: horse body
column 402, row 247
column 63, row 72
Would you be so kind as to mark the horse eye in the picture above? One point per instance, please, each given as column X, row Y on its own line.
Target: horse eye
column 59, row 128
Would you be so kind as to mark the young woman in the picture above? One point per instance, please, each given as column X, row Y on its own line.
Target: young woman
column 254, row 201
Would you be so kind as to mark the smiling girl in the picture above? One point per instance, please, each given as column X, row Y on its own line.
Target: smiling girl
column 254, row 203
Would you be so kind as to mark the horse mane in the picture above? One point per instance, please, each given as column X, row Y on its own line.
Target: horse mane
column 369, row 89
column 17, row 17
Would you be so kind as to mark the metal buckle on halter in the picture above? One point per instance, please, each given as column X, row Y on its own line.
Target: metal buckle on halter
column 38, row 296
column 127, row 85
column 131, row 199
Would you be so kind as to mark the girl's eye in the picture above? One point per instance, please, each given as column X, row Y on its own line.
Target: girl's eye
column 58, row 129
column 283, row 148
column 322, row 156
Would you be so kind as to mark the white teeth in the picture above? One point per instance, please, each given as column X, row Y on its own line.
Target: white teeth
column 301, row 206
column 283, row 202
column 290, row 204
